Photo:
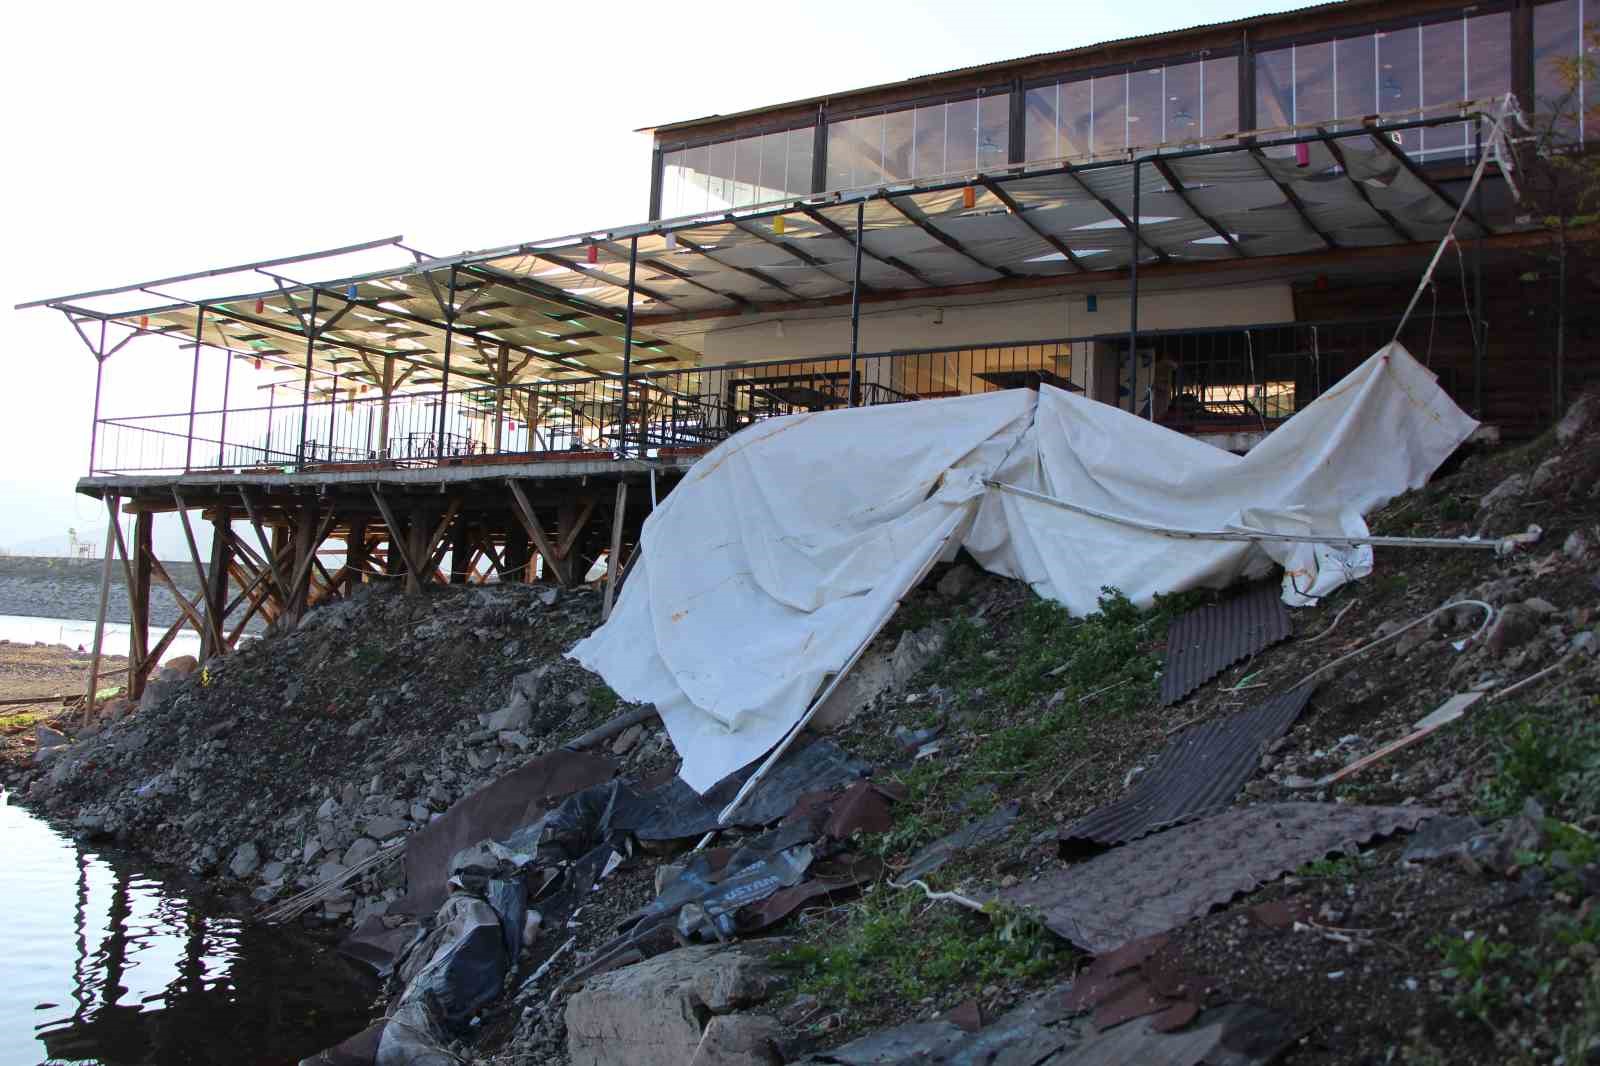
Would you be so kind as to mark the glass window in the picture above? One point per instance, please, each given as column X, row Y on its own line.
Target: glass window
column 1077, row 118
column 1145, row 113
column 1444, row 87
column 1182, row 103
column 1041, row 130
column 927, row 152
column 736, row 173
column 1356, row 76
column 994, row 130
column 897, row 136
column 1275, row 89
column 1557, row 43
column 961, row 136
column 1110, row 110
column 1313, row 95
column 1219, row 97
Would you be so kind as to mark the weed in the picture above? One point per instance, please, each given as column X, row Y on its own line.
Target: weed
column 1578, row 1038
column 894, row 947
column 602, row 699
column 1343, row 868
column 1473, row 962
column 1552, row 760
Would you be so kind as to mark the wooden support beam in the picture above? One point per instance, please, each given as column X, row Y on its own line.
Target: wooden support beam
column 100, row 616
column 613, row 561
column 268, row 553
column 217, row 579
column 397, row 545
column 308, row 538
column 569, row 536
column 211, row 629
column 462, row 556
column 530, row 522
column 355, row 550
column 139, row 603
column 195, row 618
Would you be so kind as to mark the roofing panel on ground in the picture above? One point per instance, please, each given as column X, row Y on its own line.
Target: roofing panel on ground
column 1198, row 773
column 1207, row 640
column 1162, row 881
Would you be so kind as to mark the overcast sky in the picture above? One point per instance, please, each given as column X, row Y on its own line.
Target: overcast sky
column 154, row 139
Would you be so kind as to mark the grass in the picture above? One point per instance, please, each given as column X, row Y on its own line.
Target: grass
column 1544, row 755
column 895, row 946
column 1474, row 965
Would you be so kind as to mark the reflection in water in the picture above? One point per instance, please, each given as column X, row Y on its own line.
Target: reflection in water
column 115, row 967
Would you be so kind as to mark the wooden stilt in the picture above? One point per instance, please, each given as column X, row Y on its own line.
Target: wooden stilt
column 217, row 579
column 268, row 550
column 139, row 603
column 530, row 522
column 397, row 543
column 100, row 615
column 614, row 560
column 355, row 550
column 462, row 557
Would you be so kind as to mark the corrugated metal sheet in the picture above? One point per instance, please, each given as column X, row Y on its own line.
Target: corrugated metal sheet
column 1198, row 774
column 1208, row 640
column 1162, row 881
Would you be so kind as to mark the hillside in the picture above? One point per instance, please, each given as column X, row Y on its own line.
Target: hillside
column 1473, row 939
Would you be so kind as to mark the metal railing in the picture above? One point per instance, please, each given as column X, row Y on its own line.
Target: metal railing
column 1196, row 380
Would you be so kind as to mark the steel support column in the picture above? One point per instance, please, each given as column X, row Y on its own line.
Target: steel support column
column 305, row 386
column 444, row 379
column 855, row 305
column 627, row 359
column 1133, row 302
column 222, row 433
column 194, row 385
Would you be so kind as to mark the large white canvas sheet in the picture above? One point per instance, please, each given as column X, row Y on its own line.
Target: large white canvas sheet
column 790, row 544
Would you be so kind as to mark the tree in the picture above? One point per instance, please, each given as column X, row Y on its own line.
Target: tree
column 1560, row 182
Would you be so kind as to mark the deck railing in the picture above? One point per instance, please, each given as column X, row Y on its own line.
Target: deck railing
column 1199, row 381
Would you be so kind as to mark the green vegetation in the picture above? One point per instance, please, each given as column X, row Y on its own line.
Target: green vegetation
column 894, row 945
column 1343, row 868
column 602, row 699
column 1539, row 755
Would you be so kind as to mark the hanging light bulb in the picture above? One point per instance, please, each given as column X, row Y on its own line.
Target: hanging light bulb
column 672, row 242
column 777, row 226
column 593, row 254
column 144, row 321
column 969, row 198
column 261, row 305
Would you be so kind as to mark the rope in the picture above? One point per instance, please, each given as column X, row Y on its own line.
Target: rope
column 1488, row 617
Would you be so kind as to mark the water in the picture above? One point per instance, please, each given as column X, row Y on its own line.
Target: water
column 74, row 633
column 102, row 961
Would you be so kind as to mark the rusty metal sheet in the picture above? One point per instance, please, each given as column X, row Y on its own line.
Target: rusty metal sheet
column 1199, row 773
column 1207, row 640
column 1162, row 881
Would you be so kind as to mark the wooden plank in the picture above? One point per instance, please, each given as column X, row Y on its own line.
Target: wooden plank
column 612, row 561
column 266, row 547
column 570, row 535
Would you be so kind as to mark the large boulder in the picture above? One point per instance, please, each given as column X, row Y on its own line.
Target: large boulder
column 662, row 1010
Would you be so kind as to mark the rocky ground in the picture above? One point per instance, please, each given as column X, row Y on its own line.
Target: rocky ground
column 49, row 587
column 308, row 752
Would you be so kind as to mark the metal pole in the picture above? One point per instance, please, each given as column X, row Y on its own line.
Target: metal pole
column 333, row 411
column 1133, row 302
column 305, row 388
column 194, row 385
column 272, row 397
column 100, row 615
column 449, row 334
column 627, row 372
column 99, row 373
column 855, row 302
column 222, row 435
column 1480, row 338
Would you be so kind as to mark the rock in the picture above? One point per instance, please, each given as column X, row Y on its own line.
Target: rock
column 915, row 651
column 1515, row 625
column 329, row 808
column 246, row 860
column 738, row 1040
column 348, row 798
column 273, row 871
column 364, row 848
column 549, row 595
column 312, row 848
column 627, row 739
column 515, row 715
column 47, row 737
column 182, row 665
column 419, row 813
column 1577, row 419
column 514, row 739
column 1541, row 606
column 577, row 699
column 1545, row 474
column 652, row 1011
column 957, row 582
column 328, row 871
column 1410, row 641
column 1586, row 642
column 1577, row 546
column 1442, row 837
column 1512, row 488
column 383, row 827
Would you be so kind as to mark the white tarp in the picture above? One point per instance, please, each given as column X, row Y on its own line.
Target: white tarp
column 790, row 544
